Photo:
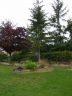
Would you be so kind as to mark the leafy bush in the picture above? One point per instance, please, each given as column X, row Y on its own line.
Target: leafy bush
column 18, row 56
column 32, row 57
column 30, row 65
column 3, row 57
column 58, row 56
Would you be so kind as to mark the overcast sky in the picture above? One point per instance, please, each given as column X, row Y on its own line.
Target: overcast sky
column 18, row 11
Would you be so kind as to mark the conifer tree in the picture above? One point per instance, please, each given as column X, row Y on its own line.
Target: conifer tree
column 38, row 24
column 55, row 21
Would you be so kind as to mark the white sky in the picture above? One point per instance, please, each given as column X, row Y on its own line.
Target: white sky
column 18, row 11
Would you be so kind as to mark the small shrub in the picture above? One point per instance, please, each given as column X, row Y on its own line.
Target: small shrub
column 18, row 57
column 30, row 65
column 3, row 57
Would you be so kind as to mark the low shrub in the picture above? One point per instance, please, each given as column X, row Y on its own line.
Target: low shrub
column 3, row 57
column 18, row 57
column 30, row 65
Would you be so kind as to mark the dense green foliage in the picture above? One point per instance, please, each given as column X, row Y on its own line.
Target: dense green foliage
column 19, row 56
column 30, row 65
column 38, row 24
column 3, row 57
column 58, row 56
column 69, row 28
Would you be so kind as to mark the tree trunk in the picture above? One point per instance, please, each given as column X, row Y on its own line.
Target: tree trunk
column 9, row 58
column 39, row 58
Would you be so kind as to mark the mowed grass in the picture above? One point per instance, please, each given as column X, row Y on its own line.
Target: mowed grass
column 55, row 83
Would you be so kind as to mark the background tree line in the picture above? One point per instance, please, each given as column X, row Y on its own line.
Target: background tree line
column 43, row 37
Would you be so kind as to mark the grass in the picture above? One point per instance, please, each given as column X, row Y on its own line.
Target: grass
column 55, row 83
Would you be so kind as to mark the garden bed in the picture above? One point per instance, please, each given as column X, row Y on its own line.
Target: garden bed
column 32, row 71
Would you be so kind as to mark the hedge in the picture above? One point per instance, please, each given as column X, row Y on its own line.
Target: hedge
column 58, row 56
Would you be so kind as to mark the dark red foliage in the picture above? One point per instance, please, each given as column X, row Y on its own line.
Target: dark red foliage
column 13, row 39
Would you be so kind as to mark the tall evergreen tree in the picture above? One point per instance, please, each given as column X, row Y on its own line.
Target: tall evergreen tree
column 37, row 27
column 69, row 28
column 55, row 21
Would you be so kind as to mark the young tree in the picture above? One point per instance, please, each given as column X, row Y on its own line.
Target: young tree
column 55, row 21
column 13, row 39
column 37, row 27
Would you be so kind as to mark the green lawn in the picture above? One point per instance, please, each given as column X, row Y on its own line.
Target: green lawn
column 55, row 83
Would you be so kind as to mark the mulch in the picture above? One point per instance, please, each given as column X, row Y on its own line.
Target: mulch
column 33, row 71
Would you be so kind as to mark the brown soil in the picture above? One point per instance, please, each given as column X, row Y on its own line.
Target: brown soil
column 37, row 70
